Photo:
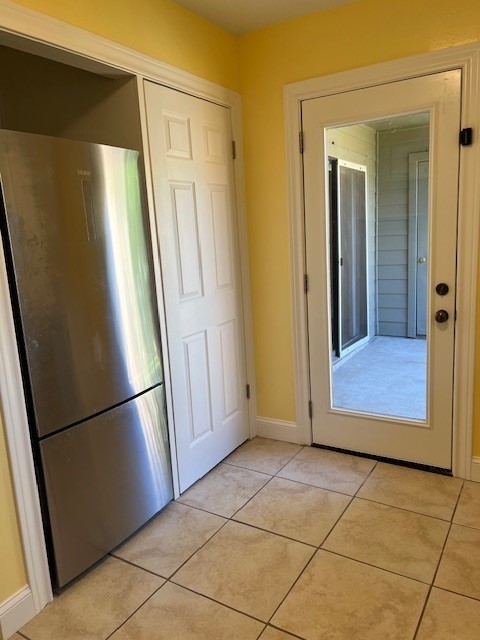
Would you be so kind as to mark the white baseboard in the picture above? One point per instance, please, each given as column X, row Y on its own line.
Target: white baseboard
column 15, row 612
column 475, row 474
column 277, row 429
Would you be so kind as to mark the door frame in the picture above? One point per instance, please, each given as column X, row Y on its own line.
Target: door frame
column 362, row 341
column 466, row 58
column 42, row 35
column 413, row 160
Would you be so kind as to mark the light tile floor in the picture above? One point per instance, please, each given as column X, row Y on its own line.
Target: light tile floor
column 281, row 542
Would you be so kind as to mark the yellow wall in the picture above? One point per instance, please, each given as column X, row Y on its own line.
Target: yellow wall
column 12, row 573
column 158, row 28
column 353, row 35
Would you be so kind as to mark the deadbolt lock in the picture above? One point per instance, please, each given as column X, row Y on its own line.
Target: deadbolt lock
column 442, row 289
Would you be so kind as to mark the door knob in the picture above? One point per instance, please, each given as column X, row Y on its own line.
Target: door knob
column 441, row 316
column 422, row 260
column 442, row 289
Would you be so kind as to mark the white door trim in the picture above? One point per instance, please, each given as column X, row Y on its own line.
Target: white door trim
column 467, row 59
column 65, row 43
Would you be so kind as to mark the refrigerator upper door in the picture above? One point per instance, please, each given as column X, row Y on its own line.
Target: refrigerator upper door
column 78, row 243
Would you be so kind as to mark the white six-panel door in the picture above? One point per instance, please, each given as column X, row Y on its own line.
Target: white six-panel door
column 191, row 157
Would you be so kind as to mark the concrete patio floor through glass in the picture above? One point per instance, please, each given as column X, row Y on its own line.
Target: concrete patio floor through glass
column 387, row 376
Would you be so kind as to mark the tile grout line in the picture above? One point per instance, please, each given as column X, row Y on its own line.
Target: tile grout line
column 162, row 577
column 261, row 632
column 294, row 635
column 263, row 487
column 368, row 476
column 229, row 519
column 274, row 533
column 230, row 464
column 302, row 447
column 466, row 526
column 291, row 588
column 211, row 513
column 197, row 550
column 350, row 502
column 251, row 498
column 316, row 486
column 221, row 604
column 137, row 566
column 239, row 466
column 373, row 566
column 427, row 599
column 134, row 612
column 458, row 501
column 393, row 506
column 457, row 593
column 336, row 522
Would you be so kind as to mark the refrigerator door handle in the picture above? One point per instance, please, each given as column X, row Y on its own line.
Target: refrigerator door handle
column 89, row 210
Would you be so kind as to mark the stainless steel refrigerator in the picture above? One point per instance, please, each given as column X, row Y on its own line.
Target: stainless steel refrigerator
column 76, row 242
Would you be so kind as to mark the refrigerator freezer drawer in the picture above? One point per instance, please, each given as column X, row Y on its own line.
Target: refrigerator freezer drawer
column 104, row 479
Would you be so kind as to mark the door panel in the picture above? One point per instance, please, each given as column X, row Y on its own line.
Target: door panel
column 387, row 428
column 196, row 217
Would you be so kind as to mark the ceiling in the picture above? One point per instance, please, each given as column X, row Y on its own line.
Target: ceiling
column 240, row 16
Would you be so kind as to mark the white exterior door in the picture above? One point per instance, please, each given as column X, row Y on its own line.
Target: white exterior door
column 191, row 155
column 425, row 439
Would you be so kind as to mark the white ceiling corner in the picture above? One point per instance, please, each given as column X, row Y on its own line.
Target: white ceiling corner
column 241, row 16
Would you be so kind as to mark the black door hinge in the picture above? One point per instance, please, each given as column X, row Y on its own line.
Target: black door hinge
column 310, row 409
column 248, row 391
column 234, row 150
column 466, row 137
column 305, row 283
column 300, row 141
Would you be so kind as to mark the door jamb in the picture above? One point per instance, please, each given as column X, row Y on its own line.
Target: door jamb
column 465, row 58
column 363, row 341
column 413, row 160
column 63, row 42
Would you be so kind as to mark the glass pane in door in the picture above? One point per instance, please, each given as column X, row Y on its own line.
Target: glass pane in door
column 379, row 262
